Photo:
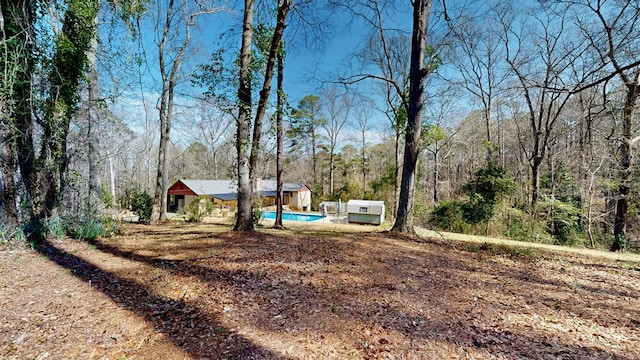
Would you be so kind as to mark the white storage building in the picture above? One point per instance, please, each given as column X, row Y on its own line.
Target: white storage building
column 365, row 212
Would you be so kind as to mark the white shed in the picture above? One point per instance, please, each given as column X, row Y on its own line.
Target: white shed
column 365, row 212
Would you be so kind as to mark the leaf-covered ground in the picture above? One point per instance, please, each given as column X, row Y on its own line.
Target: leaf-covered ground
column 185, row 291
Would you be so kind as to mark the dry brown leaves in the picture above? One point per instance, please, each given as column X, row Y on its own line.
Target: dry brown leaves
column 203, row 292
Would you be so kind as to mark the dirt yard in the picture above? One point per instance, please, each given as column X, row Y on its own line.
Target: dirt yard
column 184, row 291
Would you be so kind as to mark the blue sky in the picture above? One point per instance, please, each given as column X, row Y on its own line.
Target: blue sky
column 305, row 65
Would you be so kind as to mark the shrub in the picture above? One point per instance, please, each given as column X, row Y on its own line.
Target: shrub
column 563, row 220
column 348, row 191
column 199, row 207
column 518, row 225
column 619, row 243
column 87, row 230
column 318, row 195
column 485, row 190
column 448, row 217
column 477, row 209
column 106, row 198
column 256, row 215
column 139, row 202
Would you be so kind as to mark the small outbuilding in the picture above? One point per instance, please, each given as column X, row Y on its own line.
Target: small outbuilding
column 365, row 212
column 225, row 193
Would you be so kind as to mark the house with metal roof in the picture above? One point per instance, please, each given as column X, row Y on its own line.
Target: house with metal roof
column 225, row 192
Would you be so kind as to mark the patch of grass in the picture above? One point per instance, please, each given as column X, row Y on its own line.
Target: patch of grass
column 55, row 227
column 11, row 235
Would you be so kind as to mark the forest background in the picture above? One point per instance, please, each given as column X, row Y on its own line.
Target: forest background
column 528, row 130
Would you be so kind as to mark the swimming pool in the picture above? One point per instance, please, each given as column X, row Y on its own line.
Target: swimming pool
column 292, row 216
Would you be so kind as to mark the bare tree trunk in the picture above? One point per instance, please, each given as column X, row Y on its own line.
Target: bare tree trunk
column 364, row 163
column 283, row 10
column 436, row 176
column 622, row 206
column 112, row 176
column 244, row 219
column 313, row 159
column 535, row 180
column 487, row 124
column 418, row 73
column 93, row 196
column 331, row 171
column 280, row 142
column 398, row 173
column 8, row 210
column 169, row 80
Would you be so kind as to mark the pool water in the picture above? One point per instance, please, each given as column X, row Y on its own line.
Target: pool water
column 291, row 216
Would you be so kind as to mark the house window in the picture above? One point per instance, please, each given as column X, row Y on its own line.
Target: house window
column 363, row 209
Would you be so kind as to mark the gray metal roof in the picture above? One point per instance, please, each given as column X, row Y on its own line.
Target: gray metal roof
column 270, row 185
column 209, row 187
column 225, row 197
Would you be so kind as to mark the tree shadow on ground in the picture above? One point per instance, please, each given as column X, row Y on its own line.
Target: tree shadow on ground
column 280, row 294
column 200, row 334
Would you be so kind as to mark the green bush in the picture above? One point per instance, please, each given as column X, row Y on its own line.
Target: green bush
column 106, row 198
column 448, row 217
column 199, row 207
column 139, row 202
column 318, row 196
column 516, row 224
column 256, row 215
column 485, row 190
column 87, row 230
column 348, row 191
column 563, row 221
column 477, row 209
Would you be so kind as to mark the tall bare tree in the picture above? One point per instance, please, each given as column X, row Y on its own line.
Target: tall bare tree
column 244, row 216
column 338, row 107
column 246, row 172
column 280, row 141
column 542, row 61
column 172, row 41
column 436, row 138
column 420, row 67
column 362, row 125
column 611, row 28
column 306, row 123
column 477, row 56
column 215, row 125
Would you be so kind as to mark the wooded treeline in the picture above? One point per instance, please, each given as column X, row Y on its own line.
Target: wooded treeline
column 505, row 118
